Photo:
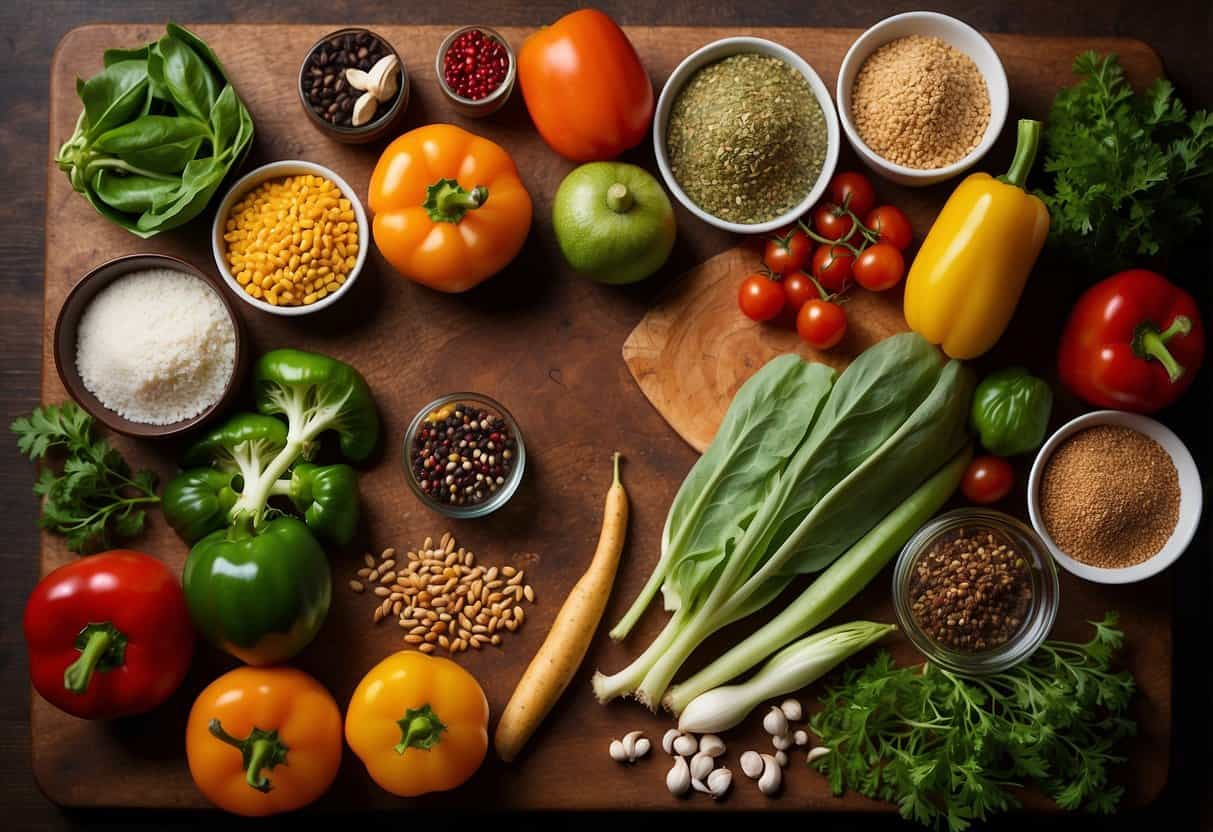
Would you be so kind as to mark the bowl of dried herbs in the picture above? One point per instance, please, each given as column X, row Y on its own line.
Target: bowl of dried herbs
column 746, row 135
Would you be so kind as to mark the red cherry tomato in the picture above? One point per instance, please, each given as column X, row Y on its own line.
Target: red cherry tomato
column 760, row 298
column 891, row 226
column 799, row 290
column 821, row 324
column 832, row 267
column 879, row 267
column 788, row 251
column 987, row 480
column 830, row 222
column 852, row 190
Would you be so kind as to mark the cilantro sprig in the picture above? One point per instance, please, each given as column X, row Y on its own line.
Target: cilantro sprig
column 948, row 749
column 1130, row 172
column 95, row 499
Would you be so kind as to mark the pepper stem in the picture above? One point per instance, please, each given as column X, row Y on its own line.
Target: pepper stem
column 1026, row 143
column 260, row 750
column 1149, row 343
column 420, row 728
column 619, row 199
column 102, row 647
column 447, row 201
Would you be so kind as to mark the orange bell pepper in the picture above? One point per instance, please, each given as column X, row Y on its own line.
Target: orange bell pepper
column 585, row 87
column 263, row 740
column 450, row 209
column 419, row 723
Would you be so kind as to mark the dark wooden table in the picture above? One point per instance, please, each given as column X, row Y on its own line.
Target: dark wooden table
column 1180, row 31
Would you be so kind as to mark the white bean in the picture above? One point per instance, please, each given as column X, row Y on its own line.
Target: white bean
column 792, row 710
column 775, row 723
column 751, row 764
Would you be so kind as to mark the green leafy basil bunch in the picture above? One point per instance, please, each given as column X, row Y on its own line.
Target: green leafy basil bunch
column 160, row 129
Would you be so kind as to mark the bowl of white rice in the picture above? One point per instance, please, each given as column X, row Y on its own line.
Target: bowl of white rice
column 150, row 345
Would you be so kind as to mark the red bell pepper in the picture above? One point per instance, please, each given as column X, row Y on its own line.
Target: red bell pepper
column 1133, row 342
column 108, row 635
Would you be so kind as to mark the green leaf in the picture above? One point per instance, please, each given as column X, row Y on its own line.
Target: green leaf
column 134, row 194
column 162, row 144
column 114, row 95
column 186, row 76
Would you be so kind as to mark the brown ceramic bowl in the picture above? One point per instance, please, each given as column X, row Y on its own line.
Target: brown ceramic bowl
column 383, row 121
column 68, row 322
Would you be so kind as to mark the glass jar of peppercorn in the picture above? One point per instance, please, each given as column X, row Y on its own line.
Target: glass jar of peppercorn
column 463, row 455
column 975, row 591
column 476, row 70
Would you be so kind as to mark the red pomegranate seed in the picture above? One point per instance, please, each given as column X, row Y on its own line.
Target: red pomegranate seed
column 475, row 65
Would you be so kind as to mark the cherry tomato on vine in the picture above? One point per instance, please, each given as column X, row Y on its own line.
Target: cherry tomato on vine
column 760, row 298
column 854, row 187
column 788, row 251
column 821, row 324
column 799, row 289
column 830, row 222
column 832, row 267
column 879, row 267
column 987, row 480
column 891, row 226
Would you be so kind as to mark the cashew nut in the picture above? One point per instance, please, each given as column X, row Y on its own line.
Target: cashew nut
column 772, row 775
column 792, row 710
column 678, row 779
column 719, row 782
column 775, row 723
column 751, row 764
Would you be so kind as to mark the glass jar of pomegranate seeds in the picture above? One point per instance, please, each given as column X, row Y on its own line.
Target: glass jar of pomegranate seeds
column 464, row 455
column 476, row 70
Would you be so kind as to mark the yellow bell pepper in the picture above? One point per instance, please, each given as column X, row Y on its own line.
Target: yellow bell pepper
column 967, row 278
column 419, row 723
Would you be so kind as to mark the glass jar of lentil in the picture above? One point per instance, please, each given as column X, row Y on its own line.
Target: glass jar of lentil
column 463, row 455
column 975, row 591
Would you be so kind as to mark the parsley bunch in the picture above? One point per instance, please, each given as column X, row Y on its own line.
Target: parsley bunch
column 947, row 748
column 95, row 498
column 1131, row 172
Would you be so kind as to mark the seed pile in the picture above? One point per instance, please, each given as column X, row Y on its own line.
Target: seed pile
column 292, row 241
column 442, row 599
column 920, row 102
column 462, row 454
column 325, row 86
column 747, row 138
column 1109, row 496
column 475, row 65
column 971, row 590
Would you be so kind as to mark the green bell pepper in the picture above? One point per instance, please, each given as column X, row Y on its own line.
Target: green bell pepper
column 199, row 501
column 327, row 497
column 243, row 434
column 259, row 593
column 1011, row 411
column 317, row 393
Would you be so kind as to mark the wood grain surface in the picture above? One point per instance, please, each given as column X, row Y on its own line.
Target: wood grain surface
column 1178, row 30
column 544, row 343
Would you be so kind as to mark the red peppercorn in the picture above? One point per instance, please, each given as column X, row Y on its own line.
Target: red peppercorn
column 475, row 65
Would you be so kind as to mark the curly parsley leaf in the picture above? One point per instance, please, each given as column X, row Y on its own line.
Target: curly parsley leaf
column 94, row 499
column 1130, row 172
column 948, row 749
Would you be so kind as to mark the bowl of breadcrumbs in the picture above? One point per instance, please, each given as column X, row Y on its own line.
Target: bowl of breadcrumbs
column 921, row 97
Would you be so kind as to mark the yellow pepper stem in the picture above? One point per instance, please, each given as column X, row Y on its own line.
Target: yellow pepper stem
column 1026, row 143
column 420, row 728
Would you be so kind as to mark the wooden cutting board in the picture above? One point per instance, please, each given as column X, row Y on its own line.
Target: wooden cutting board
column 546, row 344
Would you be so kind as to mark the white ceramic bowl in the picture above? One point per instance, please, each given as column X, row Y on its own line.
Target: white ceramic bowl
column 952, row 31
column 276, row 170
column 709, row 54
column 1190, row 498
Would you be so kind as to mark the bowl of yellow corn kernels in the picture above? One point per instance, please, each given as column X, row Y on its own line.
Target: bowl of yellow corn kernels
column 290, row 237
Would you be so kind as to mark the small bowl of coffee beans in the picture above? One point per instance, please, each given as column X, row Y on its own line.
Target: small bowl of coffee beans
column 353, row 85
column 464, row 455
column 975, row 591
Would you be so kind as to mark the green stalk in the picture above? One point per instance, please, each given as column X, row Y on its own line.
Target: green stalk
column 841, row 582
column 1027, row 141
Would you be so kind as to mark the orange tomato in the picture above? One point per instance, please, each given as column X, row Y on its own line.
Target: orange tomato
column 263, row 740
column 419, row 723
column 450, row 209
column 585, row 87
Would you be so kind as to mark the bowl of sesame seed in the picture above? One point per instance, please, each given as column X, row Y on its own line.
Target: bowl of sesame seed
column 922, row 97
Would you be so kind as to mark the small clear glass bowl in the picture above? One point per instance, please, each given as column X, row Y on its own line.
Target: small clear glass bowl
column 503, row 494
column 1042, row 610
column 494, row 101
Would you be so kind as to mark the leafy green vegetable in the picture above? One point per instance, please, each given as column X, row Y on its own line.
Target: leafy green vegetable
column 95, row 499
column 1130, row 171
column 947, row 748
column 767, row 419
column 833, row 588
column 160, row 129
